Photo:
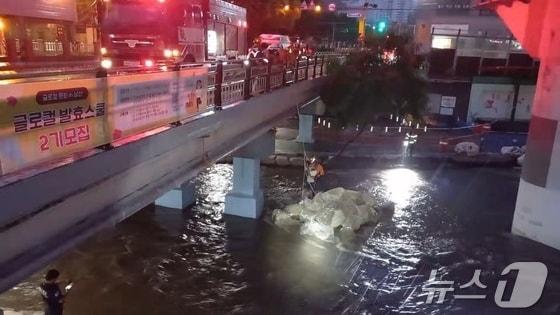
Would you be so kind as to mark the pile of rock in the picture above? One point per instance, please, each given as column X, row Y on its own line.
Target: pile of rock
column 335, row 211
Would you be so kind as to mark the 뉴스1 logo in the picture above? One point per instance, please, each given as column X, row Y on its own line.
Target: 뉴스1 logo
column 526, row 292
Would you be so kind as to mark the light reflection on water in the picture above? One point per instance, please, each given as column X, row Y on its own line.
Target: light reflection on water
column 166, row 262
column 400, row 185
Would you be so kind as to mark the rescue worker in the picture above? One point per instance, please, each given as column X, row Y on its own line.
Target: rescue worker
column 410, row 141
column 314, row 170
column 263, row 51
column 253, row 52
column 52, row 294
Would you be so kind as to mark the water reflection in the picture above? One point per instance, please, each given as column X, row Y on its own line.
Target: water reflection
column 400, row 185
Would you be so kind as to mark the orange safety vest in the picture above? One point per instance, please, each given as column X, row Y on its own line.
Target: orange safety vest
column 320, row 169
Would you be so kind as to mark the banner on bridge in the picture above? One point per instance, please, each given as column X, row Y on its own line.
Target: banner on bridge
column 143, row 102
column 41, row 121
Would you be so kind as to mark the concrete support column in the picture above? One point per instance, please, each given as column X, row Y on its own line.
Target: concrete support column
column 178, row 198
column 305, row 132
column 537, row 212
column 246, row 197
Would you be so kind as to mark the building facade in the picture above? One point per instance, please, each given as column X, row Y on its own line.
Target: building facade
column 39, row 30
column 390, row 11
column 470, row 57
column 438, row 22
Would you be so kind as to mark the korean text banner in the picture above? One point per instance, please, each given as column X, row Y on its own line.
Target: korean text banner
column 143, row 102
column 41, row 121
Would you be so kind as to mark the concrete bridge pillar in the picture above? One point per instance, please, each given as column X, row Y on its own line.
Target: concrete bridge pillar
column 537, row 213
column 246, row 198
column 178, row 198
column 305, row 131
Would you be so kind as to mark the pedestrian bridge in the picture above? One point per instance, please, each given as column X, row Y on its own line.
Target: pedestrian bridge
column 80, row 154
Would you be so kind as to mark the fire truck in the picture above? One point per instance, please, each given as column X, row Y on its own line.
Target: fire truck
column 147, row 33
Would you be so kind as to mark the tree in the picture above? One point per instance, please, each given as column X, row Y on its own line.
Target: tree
column 375, row 82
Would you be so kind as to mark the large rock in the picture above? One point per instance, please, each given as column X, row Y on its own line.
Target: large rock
column 334, row 210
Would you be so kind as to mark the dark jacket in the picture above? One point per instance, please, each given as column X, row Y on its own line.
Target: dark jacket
column 53, row 298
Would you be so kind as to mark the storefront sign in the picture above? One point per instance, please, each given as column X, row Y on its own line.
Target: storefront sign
column 448, row 101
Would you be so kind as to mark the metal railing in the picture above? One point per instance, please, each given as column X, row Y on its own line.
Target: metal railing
column 47, row 48
column 230, row 82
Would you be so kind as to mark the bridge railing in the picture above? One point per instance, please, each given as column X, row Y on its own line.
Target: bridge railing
column 49, row 119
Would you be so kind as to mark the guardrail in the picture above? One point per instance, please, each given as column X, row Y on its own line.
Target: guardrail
column 232, row 82
column 47, row 120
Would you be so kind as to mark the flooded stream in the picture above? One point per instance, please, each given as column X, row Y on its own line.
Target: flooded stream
column 162, row 261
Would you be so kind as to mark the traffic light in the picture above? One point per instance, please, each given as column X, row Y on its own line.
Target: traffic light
column 381, row 27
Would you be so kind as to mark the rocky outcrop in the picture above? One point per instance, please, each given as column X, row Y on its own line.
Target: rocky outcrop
column 331, row 212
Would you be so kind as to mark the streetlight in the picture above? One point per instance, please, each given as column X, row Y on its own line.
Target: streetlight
column 2, row 25
column 317, row 8
column 286, row 8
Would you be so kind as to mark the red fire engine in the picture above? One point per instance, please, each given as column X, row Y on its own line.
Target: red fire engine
column 150, row 32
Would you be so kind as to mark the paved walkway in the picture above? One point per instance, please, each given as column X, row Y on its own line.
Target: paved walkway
column 368, row 145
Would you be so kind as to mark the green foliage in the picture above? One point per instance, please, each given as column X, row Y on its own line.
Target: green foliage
column 369, row 84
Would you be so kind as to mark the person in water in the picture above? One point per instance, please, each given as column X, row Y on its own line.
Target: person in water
column 53, row 296
column 313, row 171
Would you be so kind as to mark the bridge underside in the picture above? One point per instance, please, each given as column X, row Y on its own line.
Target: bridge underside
column 51, row 212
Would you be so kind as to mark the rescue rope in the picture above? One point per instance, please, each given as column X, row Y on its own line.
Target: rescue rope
column 304, row 180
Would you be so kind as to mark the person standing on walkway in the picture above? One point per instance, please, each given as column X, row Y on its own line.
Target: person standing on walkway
column 410, row 141
column 53, row 296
